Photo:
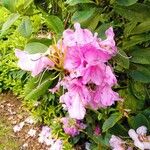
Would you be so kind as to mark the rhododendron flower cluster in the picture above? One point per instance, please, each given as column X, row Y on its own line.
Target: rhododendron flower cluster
column 86, row 76
column 90, row 80
column 72, row 126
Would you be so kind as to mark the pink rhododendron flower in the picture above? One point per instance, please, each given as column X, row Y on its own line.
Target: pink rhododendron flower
column 108, row 46
column 78, row 37
column 74, row 105
column 32, row 62
column 72, row 126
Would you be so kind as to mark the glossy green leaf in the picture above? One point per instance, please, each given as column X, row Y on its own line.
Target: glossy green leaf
column 137, row 121
column 121, row 61
column 54, row 23
column 141, row 56
column 141, row 73
column 83, row 16
column 10, row 21
column 137, row 12
column 126, row 2
column 25, row 28
column 111, row 121
column 36, row 47
column 74, row 2
column 141, row 28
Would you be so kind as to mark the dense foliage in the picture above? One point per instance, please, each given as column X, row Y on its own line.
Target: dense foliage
column 35, row 25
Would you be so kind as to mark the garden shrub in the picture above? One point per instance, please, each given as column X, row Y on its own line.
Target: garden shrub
column 131, row 24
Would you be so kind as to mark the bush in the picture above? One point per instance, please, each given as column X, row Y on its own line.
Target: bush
column 39, row 20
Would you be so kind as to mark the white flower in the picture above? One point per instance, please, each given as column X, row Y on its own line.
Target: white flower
column 140, row 139
column 18, row 127
column 116, row 143
column 141, row 130
column 57, row 145
column 32, row 132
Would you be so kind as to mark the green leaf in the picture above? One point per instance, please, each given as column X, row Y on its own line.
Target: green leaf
column 25, row 28
column 137, row 121
column 88, row 18
column 141, row 28
column 35, row 47
column 35, row 88
column 12, row 18
column 142, row 74
column 137, row 12
column 138, row 90
column 83, row 16
column 54, row 23
column 136, row 39
column 129, row 27
column 74, row 2
column 130, row 101
column 9, row 4
column 101, row 30
column 111, row 121
column 141, row 56
column 119, row 130
column 126, row 2
column 121, row 61
column 44, row 41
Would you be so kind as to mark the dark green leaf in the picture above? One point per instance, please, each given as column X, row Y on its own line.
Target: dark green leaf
column 142, row 74
column 101, row 30
column 137, row 12
column 25, row 28
column 83, row 16
column 126, row 2
column 137, row 121
column 111, row 121
column 12, row 18
column 74, row 2
column 138, row 90
column 36, row 47
column 54, row 23
column 119, row 130
column 121, row 61
column 141, row 56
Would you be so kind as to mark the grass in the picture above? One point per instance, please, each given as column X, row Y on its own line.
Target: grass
column 7, row 140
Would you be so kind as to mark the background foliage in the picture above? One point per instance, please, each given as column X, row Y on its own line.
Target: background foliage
column 28, row 25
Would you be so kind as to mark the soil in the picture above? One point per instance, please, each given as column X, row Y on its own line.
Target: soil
column 12, row 113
